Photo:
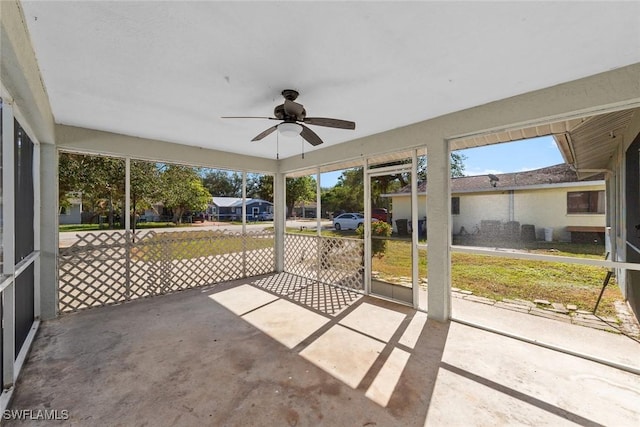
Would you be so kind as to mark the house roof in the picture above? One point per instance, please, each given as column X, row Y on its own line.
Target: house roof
column 556, row 174
column 230, row 202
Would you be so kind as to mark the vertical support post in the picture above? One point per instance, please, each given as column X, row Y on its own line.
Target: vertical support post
column 48, row 231
column 318, row 204
column 415, row 233
column 622, row 275
column 279, row 218
column 244, row 202
column 244, row 224
column 36, row 229
column 367, row 227
column 8, row 239
column 127, row 226
column 127, row 194
column 320, row 247
column 439, row 230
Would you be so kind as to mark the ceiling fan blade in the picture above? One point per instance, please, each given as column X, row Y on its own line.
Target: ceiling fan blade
column 331, row 123
column 265, row 133
column 293, row 109
column 248, row 117
column 310, row 136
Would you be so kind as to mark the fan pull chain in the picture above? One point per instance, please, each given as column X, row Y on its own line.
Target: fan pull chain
column 277, row 145
column 302, row 143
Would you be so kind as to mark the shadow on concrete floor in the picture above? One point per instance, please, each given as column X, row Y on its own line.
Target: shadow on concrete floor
column 243, row 354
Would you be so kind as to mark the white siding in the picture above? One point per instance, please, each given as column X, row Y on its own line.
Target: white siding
column 72, row 215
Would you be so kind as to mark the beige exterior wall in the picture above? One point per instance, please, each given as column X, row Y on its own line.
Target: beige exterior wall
column 544, row 208
column 401, row 209
column 477, row 207
column 548, row 208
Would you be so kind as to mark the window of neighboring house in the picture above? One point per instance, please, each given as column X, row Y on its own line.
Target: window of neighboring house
column 455, row 206
column 255, row 211
column 590, row 202
column 64, row 211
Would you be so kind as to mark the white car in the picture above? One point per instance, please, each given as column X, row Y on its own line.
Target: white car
column 349, row 221
column 265, row 216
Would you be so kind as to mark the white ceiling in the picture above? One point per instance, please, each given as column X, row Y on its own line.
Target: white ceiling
column 169, row 70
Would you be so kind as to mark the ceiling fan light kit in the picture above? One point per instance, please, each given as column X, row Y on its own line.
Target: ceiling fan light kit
column 294, row 116
column 289, row 129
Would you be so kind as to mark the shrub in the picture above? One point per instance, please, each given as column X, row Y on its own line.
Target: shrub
column 378, row 229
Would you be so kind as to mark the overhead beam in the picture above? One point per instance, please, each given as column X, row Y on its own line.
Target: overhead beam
column 90, row 141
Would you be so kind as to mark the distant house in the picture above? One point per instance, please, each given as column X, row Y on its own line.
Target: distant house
column 155, row 213
column 303, row 209
column 550, row 198
column 72, row 213
column 230, row 208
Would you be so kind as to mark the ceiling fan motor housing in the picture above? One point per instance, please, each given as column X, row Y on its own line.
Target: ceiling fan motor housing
column 290, row 94
column 281, row 114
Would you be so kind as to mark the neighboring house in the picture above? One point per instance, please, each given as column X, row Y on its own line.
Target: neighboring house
column 71, row 214
column 230, row 208
column 550, row 198
column 154, row 213
column 304, row 209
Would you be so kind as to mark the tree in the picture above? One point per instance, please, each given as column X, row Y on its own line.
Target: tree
column 457, row 165
column 70, row 177
column 99, row 179
column 145, row 186
column 222, row 183
column 182, row 190
column 300, row 189
column 260, row 187
column 347, row 194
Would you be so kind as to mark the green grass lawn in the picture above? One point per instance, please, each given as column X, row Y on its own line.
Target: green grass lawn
column 195, row 244
column 498, row 278
column 492, row 277
column 139, row 226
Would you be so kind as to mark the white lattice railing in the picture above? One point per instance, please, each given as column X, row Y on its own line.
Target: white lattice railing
column 328, row 260
column 111, row 267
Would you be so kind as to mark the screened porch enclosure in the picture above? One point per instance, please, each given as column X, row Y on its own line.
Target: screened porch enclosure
column 131, row 311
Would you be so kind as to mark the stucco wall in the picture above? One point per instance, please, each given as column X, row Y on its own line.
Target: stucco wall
column 548, row 208
column 544, row 208
column 401, row 209
column 475, row 208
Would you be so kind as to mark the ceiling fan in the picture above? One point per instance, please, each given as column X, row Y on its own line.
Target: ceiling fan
column 294, row 117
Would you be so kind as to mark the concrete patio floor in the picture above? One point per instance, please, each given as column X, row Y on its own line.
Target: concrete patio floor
column 243, row 354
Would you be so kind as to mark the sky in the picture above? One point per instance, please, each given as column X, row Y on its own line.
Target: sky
column 516, row 156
